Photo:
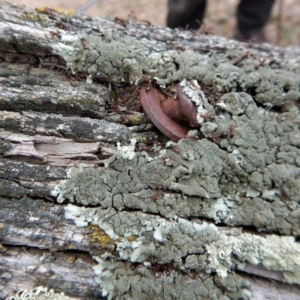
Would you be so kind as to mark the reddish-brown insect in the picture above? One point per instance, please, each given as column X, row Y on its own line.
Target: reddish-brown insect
column 144, row 148
column 179, row 48
column 83, row 43
column 175, row 150
column 48, row 11
column 231, row 130
column 225, row 134
column 53, row 34
column 261, row 63
column 238, row 59
column 207, row 117
column 146, row 22
column 121, row 21
column 156, row 194
column 157, row 143
column 193, row 137
column 202, row 29
column 221, row 135
column 283, row 196
column 240, row 198
column 62, row 25
column 125, row 120
column 161, row 268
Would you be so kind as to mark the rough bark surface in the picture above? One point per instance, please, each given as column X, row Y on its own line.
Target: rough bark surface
column 91, row 207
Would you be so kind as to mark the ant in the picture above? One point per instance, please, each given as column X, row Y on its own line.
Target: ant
column 231, row 130
column 202, row 29
column 62, row 25
column 121, row 21
column 179, row 48
column 261, row 64
column 238, row 59
column 83, row 42
column 53, row 34
column 174, row 149
column 192, row 136
column 157, row 143
column 221, row 135
column 283, row 196
column 225, row 134
column 207, row 117
column 240, row 198
column 156, row 194
column 144, row 148
column 146, row 22
column 161, row 268
column 125, row 120
column 48, row 11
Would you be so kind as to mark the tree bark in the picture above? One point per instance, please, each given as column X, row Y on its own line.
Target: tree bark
column 95, row 203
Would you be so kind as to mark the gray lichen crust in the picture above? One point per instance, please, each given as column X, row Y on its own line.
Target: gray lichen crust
column 170, row 252
column 120, row 58
column 243, row 172
column 162, row 238
column 153, row 251
column 252, row 180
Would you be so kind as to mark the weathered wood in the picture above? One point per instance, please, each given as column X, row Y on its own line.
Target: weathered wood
column 52, row 120
column 27, row 268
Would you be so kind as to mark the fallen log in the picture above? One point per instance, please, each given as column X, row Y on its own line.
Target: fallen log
column 95, row 202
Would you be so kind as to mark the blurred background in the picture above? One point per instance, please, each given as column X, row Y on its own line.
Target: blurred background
column 283, row 28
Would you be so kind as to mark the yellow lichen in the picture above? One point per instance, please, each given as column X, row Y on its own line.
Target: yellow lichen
column 71, row 246
column 135, row 119
column 70, row 260
column 33, row 17
column 64, row 11
column 149, row 126
column 98, row 236
column 132, row 238
column 44, row 10
column 40, row 10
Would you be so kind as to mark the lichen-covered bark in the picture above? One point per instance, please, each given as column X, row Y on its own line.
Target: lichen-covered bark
column 79, row 171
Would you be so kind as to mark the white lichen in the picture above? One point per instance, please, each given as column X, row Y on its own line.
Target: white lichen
column 193, row 90
column 126, row 152
column 38, row 293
